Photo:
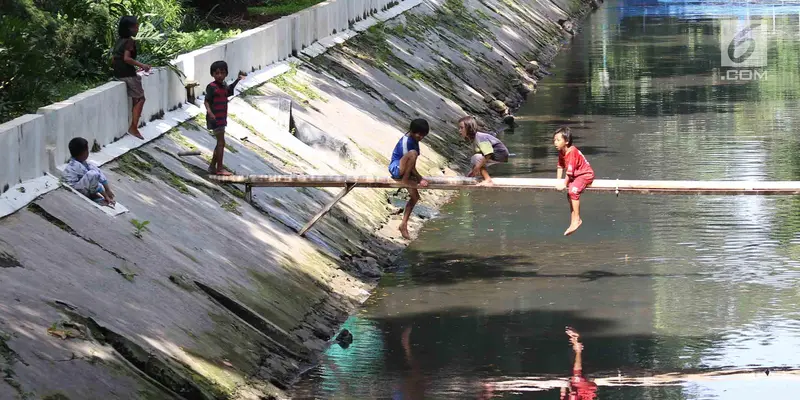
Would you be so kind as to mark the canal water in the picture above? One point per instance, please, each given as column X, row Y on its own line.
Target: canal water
column 655, row 284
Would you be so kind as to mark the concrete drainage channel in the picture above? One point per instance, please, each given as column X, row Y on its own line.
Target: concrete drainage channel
column 219, row 298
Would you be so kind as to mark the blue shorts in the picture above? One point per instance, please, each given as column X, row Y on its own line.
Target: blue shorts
column 394, row 169
column 100, row 190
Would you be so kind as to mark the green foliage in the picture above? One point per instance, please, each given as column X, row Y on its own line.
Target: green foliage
column 188, row 41
column 140, row 226
column 289, row 83
column 53, row 49
column 281, row 7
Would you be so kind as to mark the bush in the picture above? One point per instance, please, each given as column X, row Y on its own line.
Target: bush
column 53, row 49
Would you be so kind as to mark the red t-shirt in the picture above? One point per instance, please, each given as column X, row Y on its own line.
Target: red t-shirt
column 581, row 388
column 574, row 163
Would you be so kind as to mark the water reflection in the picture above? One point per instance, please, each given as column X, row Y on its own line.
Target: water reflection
column 687, row 289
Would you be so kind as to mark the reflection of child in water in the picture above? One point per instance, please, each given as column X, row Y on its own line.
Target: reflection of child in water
column 579, row 387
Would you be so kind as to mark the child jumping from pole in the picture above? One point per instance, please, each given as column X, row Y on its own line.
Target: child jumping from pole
column 403, row 166
column 488, row 149
column 579, row 174
column 124, row 64
column 216, row 103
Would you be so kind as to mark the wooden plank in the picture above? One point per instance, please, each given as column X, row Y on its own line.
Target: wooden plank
column 524, row 184
column 327, row 208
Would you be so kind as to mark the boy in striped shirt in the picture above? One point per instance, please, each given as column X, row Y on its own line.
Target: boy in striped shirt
column 216, row 103
column 403, row 166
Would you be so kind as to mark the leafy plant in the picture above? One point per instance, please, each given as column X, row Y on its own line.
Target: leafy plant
column 141, row 226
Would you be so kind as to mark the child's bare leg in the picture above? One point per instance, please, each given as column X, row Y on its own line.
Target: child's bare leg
column 575, row 216
column 219, row 153
column 138, row 105
column 407, row 164
column 578, row 365
column 487, row 180
column 407, row 212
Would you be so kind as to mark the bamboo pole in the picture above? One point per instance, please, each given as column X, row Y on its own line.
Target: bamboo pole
column 533, row 384
column 525, row 184
column 327, row 208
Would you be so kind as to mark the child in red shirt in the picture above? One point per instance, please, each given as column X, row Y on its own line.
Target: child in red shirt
column 579, row 387
column 579, row 174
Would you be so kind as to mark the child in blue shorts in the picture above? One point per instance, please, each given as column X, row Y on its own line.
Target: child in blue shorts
column 404, row 166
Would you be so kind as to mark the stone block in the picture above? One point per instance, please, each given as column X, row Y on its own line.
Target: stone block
column 9, row 165
column 153, row 89
column 56, row 131
column 32, row 152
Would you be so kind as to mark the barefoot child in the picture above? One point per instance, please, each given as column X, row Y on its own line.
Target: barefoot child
column 579, row 388
column 124, row 64
column 85, row 177
column 489, row 150
column 404, row 166
column 216, row 103
column 579, row 174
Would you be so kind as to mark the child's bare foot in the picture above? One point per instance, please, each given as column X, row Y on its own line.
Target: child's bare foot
column 573, row 227
column 222, row 172
column 487, row 182
column 136, row 133
column 404, row 232
column 572, row 333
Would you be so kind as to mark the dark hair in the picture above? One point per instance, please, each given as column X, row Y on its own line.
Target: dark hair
column 125, row 24
column 470, row 124
column 77, row 146
column 219, row 65
column 419, row 125
column 565, row 133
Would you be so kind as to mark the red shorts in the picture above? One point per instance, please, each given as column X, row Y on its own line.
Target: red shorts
column 578, row 185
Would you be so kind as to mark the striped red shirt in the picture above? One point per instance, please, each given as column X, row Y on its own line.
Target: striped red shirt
column 217, row 97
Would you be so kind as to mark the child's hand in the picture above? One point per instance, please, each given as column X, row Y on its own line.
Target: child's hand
column 560, row 186
column 242, row 75
column 110, row 198
column 423, row 183
column 146, row 67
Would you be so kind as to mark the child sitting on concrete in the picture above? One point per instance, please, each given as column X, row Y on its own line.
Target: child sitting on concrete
column 216, row 103
column 84, row 177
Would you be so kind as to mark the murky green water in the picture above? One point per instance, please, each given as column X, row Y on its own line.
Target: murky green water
column 656, row 284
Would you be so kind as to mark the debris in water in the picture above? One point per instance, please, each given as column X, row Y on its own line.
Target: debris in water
column 344, row 339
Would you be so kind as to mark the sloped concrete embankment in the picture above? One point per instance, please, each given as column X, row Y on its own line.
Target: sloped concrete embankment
column 218, row 298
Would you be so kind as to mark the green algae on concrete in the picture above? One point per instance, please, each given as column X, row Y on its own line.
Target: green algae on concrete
column 300, row 91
